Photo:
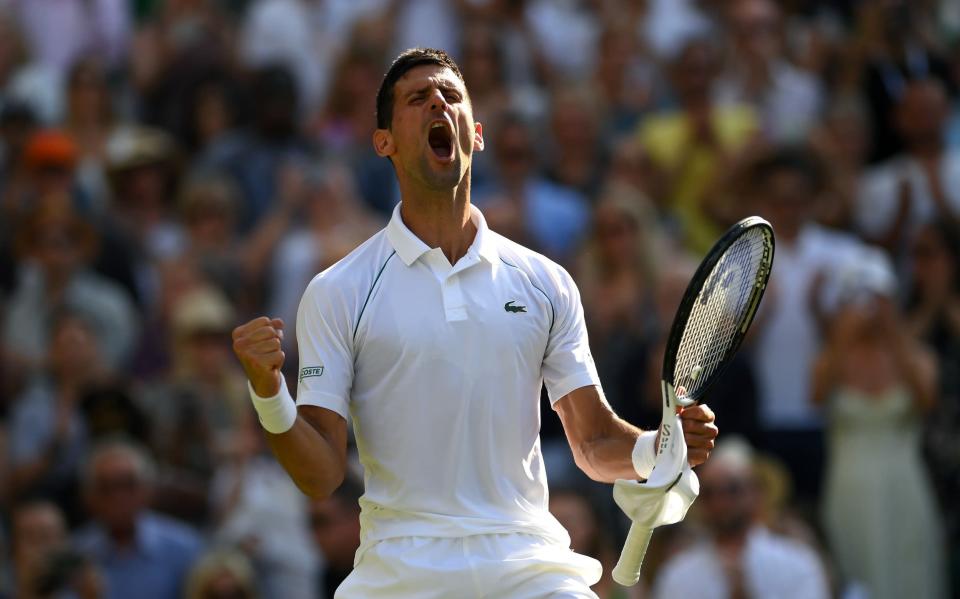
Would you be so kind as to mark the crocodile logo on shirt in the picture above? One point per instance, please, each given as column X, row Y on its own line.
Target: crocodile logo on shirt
column 509, row 307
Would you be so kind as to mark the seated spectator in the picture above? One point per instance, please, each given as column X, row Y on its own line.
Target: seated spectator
column 49, row 436
column 38, row 530
column 335, row 525
column 876, row 382
column 918, row 185
column 55, row 246
column 222, row 574
column 739, row 556
column 142, row 554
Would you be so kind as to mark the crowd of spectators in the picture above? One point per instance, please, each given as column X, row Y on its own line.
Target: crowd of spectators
column 171, row 168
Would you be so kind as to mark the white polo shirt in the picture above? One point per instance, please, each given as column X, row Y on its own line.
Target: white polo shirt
column 440, row 368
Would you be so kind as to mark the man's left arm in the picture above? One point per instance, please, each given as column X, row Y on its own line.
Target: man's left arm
column 603, row 443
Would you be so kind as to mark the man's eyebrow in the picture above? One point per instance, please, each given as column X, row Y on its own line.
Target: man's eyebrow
column 444, row 85
column 419, row 90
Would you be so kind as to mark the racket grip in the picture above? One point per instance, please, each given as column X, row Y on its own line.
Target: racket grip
column 627, row 570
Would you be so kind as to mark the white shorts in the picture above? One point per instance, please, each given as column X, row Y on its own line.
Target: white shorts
column 498, row 566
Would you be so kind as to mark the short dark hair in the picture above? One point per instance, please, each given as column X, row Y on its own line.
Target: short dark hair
column 408, row 59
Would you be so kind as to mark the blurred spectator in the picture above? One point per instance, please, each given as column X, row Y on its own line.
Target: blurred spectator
column 335, row 526
column 616, row 272
column 59, row 31
column 694, row 146
column 624, row 77
column 55, row 247
column 894, row 39
column 22, row 80
column 785, row 187
column 222, row 574
column 590, row 535
column 483, row 63
column 334, row 222
column 575, row 156
column 201, row 405
column 787, row 99
column 255, row 156
column 526, row 206
column 38, row 530
column 740, row 557
column 89, row 122
column 281, row 32
column 142, row 554
column 841, row 142
column 259, row 509
column 48, row 434
column 44, row 165
column 919, row 185
column 876, row 382
column 345, row 127
column 143, row 173
column 209, row 209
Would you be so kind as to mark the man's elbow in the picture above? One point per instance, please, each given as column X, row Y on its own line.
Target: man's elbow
column 321, row 487
column 581, row 457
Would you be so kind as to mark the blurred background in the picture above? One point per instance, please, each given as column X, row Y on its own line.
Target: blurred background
column 169, row 169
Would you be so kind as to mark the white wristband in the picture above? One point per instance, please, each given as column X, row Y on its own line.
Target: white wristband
column 278, row 413
column 645, row 453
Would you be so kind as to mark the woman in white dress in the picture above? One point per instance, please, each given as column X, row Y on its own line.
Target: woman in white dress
column 879, row 512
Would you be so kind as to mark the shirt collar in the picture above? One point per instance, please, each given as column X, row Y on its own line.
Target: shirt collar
column 410, row 247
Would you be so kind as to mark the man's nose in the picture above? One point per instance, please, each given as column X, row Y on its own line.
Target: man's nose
column 437, row 101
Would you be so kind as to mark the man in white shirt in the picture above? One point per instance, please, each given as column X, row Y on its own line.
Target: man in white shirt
column 435, row 336
column 741, row 557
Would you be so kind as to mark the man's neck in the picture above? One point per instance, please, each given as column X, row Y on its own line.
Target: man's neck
column 441, row 220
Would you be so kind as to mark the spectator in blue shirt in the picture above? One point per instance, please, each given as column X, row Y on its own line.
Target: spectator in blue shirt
column 142, row 554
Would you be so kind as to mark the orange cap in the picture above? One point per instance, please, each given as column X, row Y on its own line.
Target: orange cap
column 50, row 148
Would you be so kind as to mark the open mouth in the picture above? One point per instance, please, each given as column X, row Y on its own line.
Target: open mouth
column 440, row 139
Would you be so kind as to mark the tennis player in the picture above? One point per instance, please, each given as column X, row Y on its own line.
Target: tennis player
column 435, row 336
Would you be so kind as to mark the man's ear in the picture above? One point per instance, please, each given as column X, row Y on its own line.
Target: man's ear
column 383, row 143
column 477, row 137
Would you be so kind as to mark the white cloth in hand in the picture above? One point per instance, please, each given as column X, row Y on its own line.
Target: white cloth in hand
column 671, row 488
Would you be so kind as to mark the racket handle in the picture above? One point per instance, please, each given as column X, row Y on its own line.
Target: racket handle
column 627, row 570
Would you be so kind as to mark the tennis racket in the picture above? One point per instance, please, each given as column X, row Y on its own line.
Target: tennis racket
column 711, row 322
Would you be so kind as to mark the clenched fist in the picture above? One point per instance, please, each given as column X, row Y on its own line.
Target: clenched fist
column 257, row 345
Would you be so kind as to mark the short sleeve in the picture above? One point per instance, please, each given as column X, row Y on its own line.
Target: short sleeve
column 567, row 363
column 325, row 345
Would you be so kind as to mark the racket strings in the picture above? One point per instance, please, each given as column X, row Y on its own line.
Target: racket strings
column 722, row 305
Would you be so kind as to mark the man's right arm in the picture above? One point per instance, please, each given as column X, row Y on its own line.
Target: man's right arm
column 310, row 444
column 313, row 451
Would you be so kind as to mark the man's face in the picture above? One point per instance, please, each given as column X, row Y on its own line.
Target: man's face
column 433, row 135
column 36, row 531
column 728, row 497
column 117, row 491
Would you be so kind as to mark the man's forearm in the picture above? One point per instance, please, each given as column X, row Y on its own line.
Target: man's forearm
column 311, row 459
column 609, row 456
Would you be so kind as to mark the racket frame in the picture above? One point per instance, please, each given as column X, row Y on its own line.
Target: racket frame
column 691, row 294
